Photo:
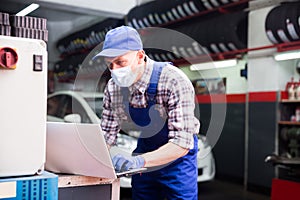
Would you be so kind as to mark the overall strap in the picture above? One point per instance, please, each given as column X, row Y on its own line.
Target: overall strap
column 157, row 68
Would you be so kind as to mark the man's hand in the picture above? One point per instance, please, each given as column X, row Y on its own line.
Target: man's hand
column 123, row 163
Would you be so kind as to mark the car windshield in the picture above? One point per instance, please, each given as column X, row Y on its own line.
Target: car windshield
column 96, row 104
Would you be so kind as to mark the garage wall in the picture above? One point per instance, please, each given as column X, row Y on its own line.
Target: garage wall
column 265, row 74
column 267, row 77
column 229, row 150
column 235, row 84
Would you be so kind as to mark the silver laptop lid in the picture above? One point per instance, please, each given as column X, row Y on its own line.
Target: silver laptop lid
column 77, row 149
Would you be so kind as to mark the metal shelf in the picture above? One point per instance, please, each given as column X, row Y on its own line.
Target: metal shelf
column 289, row 123
column 290, row 101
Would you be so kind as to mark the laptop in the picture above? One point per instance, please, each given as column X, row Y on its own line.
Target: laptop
column 73, row 148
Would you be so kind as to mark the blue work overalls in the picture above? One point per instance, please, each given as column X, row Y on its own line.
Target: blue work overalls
column 177, row 180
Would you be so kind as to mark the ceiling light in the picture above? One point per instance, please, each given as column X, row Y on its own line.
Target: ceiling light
column 28, row 9
column 287, row 55
column 214, row 65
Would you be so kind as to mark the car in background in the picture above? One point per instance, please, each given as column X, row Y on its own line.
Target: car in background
column 86, row 107
column 205, row 160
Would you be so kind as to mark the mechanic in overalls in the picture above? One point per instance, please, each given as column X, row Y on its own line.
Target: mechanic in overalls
column 159, row 99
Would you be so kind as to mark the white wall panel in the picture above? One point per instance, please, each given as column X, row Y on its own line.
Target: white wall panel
column 235, row 84
column 263, row 74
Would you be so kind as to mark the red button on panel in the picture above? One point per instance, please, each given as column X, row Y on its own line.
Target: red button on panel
column 8, row 58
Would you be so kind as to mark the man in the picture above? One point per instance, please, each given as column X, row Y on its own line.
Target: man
column 159, row 99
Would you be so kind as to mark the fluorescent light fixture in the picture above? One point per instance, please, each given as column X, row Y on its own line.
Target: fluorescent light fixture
column 287, row 55
column 214, row 65
column 28, row 9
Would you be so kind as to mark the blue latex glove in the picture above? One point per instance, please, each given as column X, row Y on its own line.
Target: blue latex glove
column 123, row 163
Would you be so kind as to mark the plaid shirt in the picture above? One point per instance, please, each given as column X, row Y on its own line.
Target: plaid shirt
column 175, row 99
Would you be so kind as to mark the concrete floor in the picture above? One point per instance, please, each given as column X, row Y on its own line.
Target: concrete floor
column 221, row 190
column 216, row 190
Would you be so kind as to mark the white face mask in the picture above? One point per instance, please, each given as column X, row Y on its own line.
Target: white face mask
column 124, row 76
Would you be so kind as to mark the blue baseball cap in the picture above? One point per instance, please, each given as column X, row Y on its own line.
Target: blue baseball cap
column 119, row 41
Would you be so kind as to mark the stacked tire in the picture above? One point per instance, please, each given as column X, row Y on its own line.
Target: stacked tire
column 157, row 13
column 78, row 66
column 5, row 28
column 212, row 4
column 76, row 51
column 66, row 70
column 223, row 33
column 86, row 39
column 162, row 55
column 282, row 23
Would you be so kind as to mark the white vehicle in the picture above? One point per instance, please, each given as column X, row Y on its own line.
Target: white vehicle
column 86, row 107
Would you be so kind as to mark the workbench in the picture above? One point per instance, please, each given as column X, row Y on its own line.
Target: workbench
column 77, row 187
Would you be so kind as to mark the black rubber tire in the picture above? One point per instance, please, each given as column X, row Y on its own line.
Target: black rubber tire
column 161, row 12
column 275, row 24
column 207, row 4
column 292, row 22
column 67, row 45
column 271, row 31
column 235, row 32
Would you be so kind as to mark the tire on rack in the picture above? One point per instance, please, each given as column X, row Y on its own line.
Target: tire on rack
column 178, row 46
column 158, row 55
column 282, row 32
column 156, row 13
column 292, row 22
column 183, row 8
column 213, row 34
column 221, row 33
column 215, row 3
column 207, row 4
column 199, row 31
column 234, row 35
column 269, row 29
column 135, row 14
column 73, row 43
column 195, row 5
column 275, row 24
column 158, row 43
column 224, row 2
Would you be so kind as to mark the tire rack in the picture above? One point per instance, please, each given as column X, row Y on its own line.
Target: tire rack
column 282, row 25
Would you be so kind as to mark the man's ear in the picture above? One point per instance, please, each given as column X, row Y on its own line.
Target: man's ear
column 141, row 56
